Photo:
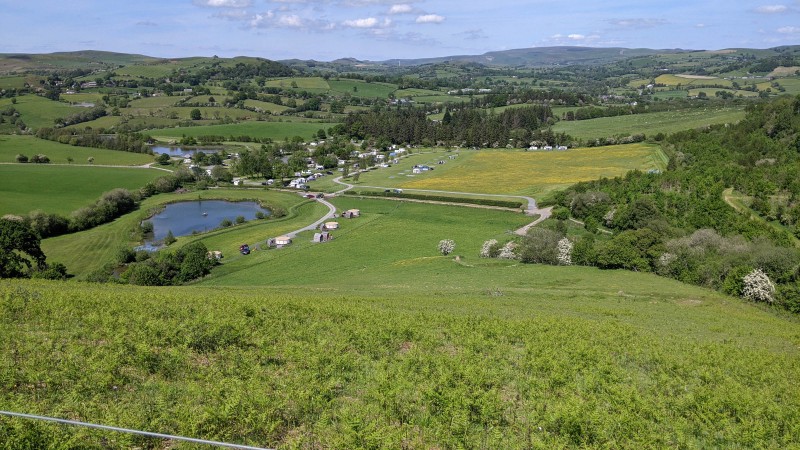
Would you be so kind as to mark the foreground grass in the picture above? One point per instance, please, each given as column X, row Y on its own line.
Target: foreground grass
column 63, row 189
column 543, row 367
column 11, row 146
column 649, row 124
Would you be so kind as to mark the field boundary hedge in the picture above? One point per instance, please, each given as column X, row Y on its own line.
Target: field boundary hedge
column 442, row 198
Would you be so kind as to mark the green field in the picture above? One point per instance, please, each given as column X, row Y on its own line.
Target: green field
column 362, row 88
column 649, row 124
column 11, row 146
column 39, row 112
column 515, row 172
column 313, row 84
column 278, row 131
column 62, row 189
column 265, row 106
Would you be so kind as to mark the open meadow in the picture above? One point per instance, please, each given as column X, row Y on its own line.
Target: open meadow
column 278, row 131
column 514, row 172
column 649, row 124
column 11, row 146
column 62, row 188
column 38, row 111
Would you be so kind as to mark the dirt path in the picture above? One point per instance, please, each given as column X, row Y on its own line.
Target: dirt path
column 313, row 226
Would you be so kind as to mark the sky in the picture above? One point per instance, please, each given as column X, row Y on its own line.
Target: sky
column 325, row 30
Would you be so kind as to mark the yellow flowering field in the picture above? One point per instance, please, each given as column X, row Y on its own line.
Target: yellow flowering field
column 537, row 172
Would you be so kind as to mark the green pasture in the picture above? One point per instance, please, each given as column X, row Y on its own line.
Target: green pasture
column 89, row 250
column 102, row 122
column 668, row 94
column 63, row 189
column 83, row 97
column 688, row 80
column 146, row 70
column 711, row 92
column 362, row 88
column 441, row 98
column 265, row 106
column 792, row 85
column 162, row 101
column 38, row 111
column 14, row 82
column 303, row 83
column 650, row 123
column 11, row 146
column 414, row 92
column 279, row 131
column 388, row 244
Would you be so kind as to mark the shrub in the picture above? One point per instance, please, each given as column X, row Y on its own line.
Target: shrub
column 758, row 287
column 21, row 158
column 509, row 251
column 540, row 246
column 169, row 239
column 225, row 223
column 446, row 246
column 490, row 249
column 260, row 215
column 564, row 256
column 240, row 220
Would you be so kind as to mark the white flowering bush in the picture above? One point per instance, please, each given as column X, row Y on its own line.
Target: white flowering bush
column 446, row 246
column 758, row 287
column 666, row 259
column 489, row 249
column 508, row 251
column 564, row 255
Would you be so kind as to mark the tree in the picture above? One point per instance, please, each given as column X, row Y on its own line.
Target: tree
column 758, row 287
column 169, row 239
column 20, row 250
column 163, row 158
column 20, row 158
column 195, row 114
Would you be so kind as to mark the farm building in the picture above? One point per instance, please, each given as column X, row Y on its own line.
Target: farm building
column 322, row 237
column 283, row 241
column 330, row 226
column 351, row 213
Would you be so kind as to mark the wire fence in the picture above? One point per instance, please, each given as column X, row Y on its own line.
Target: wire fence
column 130, row 431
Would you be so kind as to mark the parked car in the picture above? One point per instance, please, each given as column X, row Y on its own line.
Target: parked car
column 244, row 249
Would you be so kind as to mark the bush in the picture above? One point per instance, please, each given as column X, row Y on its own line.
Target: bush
column 490, row 249
column 540, row 246
column 240, row 220
column 446, row 246
column 260, row 215
column 21, row 158
column 225, row 223
column 758, row 287
column 169, row 239
column 564, row 255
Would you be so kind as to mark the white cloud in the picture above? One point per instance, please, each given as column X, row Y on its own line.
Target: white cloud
column 430, row 18
column 369, row 22
column 576, row 37
column 291, row 21
column 789, row 30
column 772, row 9
column 637, row 23
column 224, row 3
column 700, row 25
column 402, row 8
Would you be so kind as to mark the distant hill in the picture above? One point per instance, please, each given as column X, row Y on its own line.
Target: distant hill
column 84, row 59
column 541, row 56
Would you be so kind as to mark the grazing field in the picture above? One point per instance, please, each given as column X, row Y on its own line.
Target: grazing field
column 62, row 189
column 691, row 80
column 649, row 124
column 265, row 106
column 358, row 88
column 279, row 131
column 556, row 358
column 302, row 83
column 154, row 102
column 387, row 245
column 146, row 70
column 11, row 146
column 39, row 112
column 89, row 250
column 711, row 92
column 516, row 172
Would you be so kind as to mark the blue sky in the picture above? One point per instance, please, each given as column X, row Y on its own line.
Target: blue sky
column 382, row 29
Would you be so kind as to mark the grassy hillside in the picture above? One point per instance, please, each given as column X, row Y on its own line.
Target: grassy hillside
column 649, row 124
column 542, row 365
column 62, row 189
column 11, row 146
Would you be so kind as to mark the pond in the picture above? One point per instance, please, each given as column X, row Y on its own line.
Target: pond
column 185, row 218
column 178, row 151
